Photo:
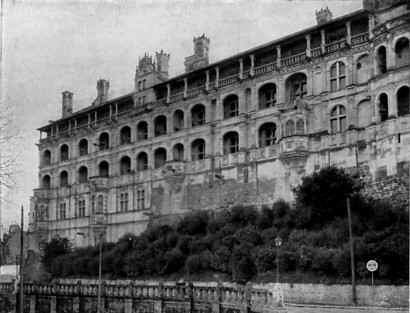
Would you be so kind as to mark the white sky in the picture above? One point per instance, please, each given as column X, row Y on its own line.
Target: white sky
column 56, row 45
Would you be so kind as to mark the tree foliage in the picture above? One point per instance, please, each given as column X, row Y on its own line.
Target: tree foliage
column 240, row 242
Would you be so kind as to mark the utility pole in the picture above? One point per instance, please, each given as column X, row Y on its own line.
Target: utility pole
column 351, row 244
column 21, row 261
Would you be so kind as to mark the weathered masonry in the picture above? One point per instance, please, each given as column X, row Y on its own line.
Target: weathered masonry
column 128, row 297
column 241, row 130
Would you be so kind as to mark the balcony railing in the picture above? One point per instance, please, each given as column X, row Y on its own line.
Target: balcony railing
column 226, row 81
column 177, row 97
column 193, row 92
column 336, row 45
column 360, row 39
column 265, row 68
column 316, row 52
column 293, row 59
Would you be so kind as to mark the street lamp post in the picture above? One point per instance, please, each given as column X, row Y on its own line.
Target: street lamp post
column 278, row 243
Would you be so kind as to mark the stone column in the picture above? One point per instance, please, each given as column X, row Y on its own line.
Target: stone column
column 216, row 76
column 252, row 69
column 323, row 41
column 185, row 87
column 349, row 33
column 308, row 48
column 168, row 93
column 371, row 26
column 127, row 305
column 240, row 68
column 278, row 56
column 216, row 306
column 207, row 80
column 392, row 104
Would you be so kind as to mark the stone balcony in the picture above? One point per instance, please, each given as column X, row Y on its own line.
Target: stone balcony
column 99, row 182
column 294, row 148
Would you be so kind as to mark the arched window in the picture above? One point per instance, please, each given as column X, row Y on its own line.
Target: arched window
column 178, row 120
column 338, row 119
column 125, row 135
column 383, row 107
column 198, row 115
column 104, row 169
column 402, row 51
column 64, row 153
column 142, row 161
column 46, row 182
column 198, row 149
column 362, row 69
column 231, row 106
column 125, row 165
column 290, row 128
column 296, row 87
column 337, row 76
column 160, row 125
column 142, row 131
column 83, row 147
column 104, row 141
column 46, row 157
column 231, row 142
column 403, row 101
column 267, row 134
column 300, row 127
column 267, row 96
column 82, row 175
column 160, row 157
column 178, row 152
column 63, row 179
column 381, row 60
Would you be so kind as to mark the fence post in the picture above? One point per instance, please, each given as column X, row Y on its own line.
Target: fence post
column 128, row 300
column 159, row 303
column 190, row 296
column 53, row 304
column 33, row 303
column 248, row 297
column 76, row 300
column 217, row 305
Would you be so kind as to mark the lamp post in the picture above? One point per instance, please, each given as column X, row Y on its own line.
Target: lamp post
column 278, row 243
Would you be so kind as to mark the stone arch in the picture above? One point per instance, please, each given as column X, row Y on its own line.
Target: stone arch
column 381, row 59
column 125, row 165
column 46, row 158
column 198, row 149
column 142, row 161
column 64, row 152
column 267, row 94
column 46, row 182
column 289, row 127
column 198, row 115
column 231, row 106
column 402, row 51
column 160, row 157
column 267, row 134
column 104, row 141
column 383, row 106
column 160, row 125
column 82, row 174
column 403, row 100
column 83, row 147
column 296, row 86
column 364, row 116
column 230, row 142
column 125, row 135
column 178, row 119
column 362, row 69
column 63, row 178
column 142, row 131
column 178, row 152
column 104, row 169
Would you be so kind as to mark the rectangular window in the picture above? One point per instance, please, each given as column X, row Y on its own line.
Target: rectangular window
column 124, row 202
column 140, row 199
column 81, row 208
column 62, row 211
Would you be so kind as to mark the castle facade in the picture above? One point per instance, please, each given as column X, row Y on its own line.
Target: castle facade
column 243, row 130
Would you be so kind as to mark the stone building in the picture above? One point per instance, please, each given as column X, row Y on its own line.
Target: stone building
column 241, row 130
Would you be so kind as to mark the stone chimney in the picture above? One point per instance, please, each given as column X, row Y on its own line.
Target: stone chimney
column 323, row 16
column 200, row 58
column 102, row 90
column 67, row 103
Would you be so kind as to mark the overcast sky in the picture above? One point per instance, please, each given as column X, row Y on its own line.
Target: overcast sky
column 56, row 45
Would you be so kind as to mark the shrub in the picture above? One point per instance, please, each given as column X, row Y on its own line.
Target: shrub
column 265, row 259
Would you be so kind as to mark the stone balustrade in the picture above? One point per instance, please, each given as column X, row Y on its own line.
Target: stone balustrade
column 130, row 296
